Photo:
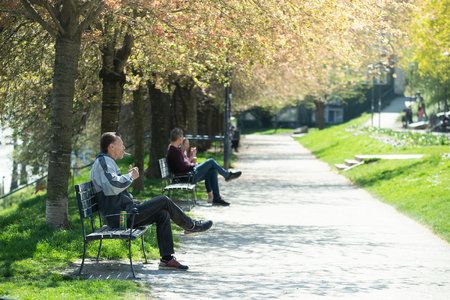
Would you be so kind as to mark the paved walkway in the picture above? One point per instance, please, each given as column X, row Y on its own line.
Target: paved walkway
column 390, row 116
column 297, row 230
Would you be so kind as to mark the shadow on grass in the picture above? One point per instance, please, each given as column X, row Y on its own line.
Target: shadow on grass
column 389, row 174
column 21, row 232
column 321, row 152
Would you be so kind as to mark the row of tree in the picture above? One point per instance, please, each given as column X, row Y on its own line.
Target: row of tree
column 62, row 59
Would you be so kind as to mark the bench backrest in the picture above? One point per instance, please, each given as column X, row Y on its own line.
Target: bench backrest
column 164, row 168
column 87, row 203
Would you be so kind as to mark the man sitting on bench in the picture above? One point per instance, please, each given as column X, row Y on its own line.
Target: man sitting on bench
column 111, row 188
column 179, row 164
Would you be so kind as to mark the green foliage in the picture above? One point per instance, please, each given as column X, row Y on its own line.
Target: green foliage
column 431, row 37
column 427, row 53
column 420, row 188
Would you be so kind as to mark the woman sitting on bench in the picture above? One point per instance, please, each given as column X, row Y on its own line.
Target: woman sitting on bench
column 180, row 164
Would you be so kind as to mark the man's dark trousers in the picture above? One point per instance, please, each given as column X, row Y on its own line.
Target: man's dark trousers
column 160, row 210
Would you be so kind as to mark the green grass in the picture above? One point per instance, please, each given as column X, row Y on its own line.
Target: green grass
column 33, row 256
column 268, row 131
column 419, row 188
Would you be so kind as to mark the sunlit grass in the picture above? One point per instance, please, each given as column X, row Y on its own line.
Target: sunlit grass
column 420, row 188
column 33, row 256
column 269, row 131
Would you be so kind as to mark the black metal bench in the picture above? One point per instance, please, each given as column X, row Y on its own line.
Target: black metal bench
column 199, row 137
column 203, row 141
column 89, row 210
column 172, row 182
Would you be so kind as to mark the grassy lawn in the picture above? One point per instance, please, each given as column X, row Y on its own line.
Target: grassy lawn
column 268, row 131
column 419, row 188
column 33, row 256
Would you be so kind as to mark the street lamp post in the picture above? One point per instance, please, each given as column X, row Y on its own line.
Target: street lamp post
column 372, row 100
column 227, row 123
column 379, row 101
column 376, row 71
column 372, row 104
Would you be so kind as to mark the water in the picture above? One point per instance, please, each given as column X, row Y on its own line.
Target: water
column 6, row 160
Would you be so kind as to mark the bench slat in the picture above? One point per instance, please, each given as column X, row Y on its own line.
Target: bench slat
column 106, row 232
column 183, row 186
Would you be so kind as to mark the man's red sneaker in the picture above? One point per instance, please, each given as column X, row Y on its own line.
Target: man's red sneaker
column 172, row 264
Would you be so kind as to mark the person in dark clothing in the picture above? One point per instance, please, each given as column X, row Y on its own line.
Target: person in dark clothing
column 407, row 117
column 235, row 138
column 180, row 164
column 111, row 188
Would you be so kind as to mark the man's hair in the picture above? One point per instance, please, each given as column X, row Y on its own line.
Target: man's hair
column 175, row 134
column 107, row 139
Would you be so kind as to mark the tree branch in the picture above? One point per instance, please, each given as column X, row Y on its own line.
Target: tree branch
column 35, row 16
column 124, row 53
column 52, row 11
column 13, row 33
column 90, row 18
column 14, row 12
column 87, row 6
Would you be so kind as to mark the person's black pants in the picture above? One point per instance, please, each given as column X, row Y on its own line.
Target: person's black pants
column 160, row 210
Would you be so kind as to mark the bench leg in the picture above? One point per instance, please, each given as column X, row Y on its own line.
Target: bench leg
column 143, row 249
column 194, row 190
column 82, row 260
column 191, row 200
column 131, row 259
column 99, row 249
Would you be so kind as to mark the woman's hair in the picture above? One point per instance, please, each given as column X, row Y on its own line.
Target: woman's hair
column 175, row 134
column 107, row 139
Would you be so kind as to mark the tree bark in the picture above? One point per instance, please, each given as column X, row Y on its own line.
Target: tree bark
column 14, row 176
column 192, row 95
column 15, row 173
column 178, row 107
column 23, row 174
column 67, row 53
column 113, row 80
column 160, row 128
column 320, row 113
column 208, row 120
column 138, row 112
column 184, row 106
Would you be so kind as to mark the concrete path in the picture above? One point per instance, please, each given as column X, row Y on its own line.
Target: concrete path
column 297, row 230
column 390, row 115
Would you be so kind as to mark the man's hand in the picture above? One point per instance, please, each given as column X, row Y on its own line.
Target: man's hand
column 134, row 172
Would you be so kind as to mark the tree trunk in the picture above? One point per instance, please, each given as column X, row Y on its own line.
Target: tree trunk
column 192, row 95
column 113, row 80
column 23, row 174
column 207, row 120
column 178, row 108
column 138, row 112
column 160, row 128
column 67, row 53
column 320, row 113
column 15, row 174
column 184, row 106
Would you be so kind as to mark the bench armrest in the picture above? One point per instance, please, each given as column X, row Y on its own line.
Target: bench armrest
column 133, row 213
column 186, row 178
